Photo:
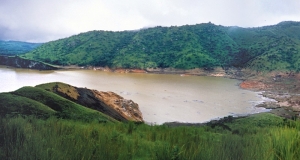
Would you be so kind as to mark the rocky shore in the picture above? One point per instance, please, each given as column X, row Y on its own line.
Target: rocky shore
column 283, row 87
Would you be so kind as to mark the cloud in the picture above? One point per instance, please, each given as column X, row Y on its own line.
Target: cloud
column 41, row 21
column 31, row 21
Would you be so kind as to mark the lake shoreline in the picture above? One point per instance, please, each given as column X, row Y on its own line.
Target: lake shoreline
column 283, row 87
column 231, row 72
column 250, row 81
column 253, row 81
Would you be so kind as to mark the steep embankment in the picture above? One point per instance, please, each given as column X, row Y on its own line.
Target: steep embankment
column 64, row 108
column 17, row 62
column 108, row 103
column 68, row 102
column 186, row 47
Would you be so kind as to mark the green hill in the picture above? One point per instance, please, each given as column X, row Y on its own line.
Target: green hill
column 191, row 46
column 269, row 48
column 16, row 47
column 41, row 103
column 17, row 105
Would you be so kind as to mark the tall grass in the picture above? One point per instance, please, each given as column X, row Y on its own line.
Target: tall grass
column 286, row 143
column 31, row 138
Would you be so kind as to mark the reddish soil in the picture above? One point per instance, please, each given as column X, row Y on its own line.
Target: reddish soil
column 137, row 71
column 284, row 87
column 252, row 85
column 121, row 70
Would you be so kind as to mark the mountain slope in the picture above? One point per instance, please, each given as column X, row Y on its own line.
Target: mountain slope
column 269, row 48
column 191, row 46
column 179, row 47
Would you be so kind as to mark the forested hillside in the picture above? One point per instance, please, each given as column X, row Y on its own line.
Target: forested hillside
column 191, row 46
column 16, row 47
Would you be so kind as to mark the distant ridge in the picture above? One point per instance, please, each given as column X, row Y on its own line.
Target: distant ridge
column 268, row 48
column 16, row 47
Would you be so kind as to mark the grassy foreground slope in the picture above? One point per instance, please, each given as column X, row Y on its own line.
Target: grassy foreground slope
column 18, row 105
column 32, row 101
column 38, row 124
column 205, row 45
column 244, row 139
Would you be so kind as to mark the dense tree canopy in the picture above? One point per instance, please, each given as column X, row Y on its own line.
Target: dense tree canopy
column 191, row 46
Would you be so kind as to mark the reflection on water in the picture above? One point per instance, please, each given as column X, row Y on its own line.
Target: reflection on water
column 162, row 98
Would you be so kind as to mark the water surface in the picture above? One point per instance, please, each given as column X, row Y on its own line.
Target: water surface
column 162, row 98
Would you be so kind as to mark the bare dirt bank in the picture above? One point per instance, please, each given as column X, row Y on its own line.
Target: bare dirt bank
column 108, row 103
column 284, row 87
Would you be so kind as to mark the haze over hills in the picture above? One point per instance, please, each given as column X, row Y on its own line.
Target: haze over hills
column 16, row 47
column 204, row 45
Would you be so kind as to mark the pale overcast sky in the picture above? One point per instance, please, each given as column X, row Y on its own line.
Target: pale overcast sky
column 45, row 20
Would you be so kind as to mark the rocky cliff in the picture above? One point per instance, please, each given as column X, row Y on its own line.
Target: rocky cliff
column 108, row 103
column 15, row 61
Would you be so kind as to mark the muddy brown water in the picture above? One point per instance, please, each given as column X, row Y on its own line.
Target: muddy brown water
column 162, row 98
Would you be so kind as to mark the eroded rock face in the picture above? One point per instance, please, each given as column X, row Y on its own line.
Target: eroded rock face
column 120, row 108
column 15, row 61
column 108, row 103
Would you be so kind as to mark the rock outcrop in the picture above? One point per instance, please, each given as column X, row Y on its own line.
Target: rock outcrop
column 108, row 103
column 15, row 61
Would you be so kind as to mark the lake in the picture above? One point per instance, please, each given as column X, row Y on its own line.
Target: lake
column 161, row 97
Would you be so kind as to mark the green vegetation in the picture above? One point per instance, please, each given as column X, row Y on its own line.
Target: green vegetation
column 191, row 46
column 41, row 103
column 16, row 47
column 18, row 62
column 17, row 105
column 38, row 124
column 31, row 138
